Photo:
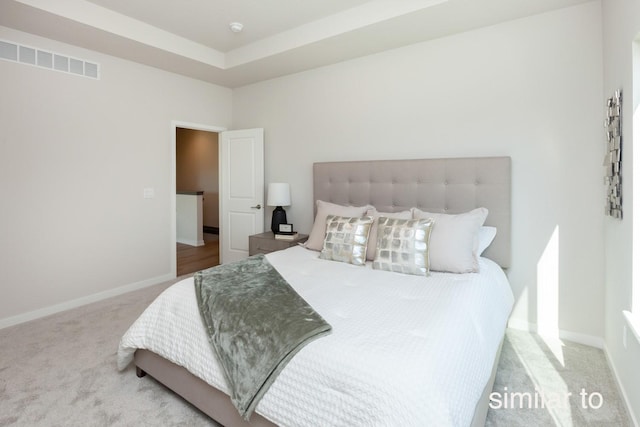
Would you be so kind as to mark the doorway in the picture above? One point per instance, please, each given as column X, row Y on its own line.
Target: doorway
column 196, row 166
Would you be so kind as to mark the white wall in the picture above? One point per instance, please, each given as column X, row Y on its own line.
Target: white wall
column 189, row 219
column 530, row 89
column 75, row 155
column 621, row 24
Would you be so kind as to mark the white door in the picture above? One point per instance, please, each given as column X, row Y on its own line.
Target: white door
column 241, row 191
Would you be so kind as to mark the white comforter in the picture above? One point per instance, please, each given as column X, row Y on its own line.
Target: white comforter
column 404, row 350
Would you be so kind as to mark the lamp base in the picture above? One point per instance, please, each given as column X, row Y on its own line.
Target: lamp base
column 278, row 217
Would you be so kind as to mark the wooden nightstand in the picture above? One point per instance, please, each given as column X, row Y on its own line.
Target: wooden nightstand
column 266, row 242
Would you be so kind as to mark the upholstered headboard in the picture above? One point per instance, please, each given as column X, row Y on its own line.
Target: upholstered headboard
column 452, row 185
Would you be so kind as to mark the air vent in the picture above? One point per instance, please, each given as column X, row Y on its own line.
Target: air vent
column 27, row 55
column 14, row 52
column 8, row 51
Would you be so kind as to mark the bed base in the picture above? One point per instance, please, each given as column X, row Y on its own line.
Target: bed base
column 217, row 405
column 208, row 399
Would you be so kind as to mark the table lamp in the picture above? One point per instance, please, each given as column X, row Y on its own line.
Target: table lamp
column 278, row 195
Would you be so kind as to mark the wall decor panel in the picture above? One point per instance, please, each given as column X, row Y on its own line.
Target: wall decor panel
column 613, row 157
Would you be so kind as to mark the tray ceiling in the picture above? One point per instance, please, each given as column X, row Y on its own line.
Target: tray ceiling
column 279, row 37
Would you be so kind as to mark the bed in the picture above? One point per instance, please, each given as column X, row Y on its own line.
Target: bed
column 396, row 370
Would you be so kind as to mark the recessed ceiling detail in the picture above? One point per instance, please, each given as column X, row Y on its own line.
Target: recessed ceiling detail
column 287, row 36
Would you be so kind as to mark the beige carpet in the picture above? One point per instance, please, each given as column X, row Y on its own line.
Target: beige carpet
column 573, row 379
column 60, row 371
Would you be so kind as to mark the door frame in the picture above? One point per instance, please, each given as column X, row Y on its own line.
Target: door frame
column 175, row 124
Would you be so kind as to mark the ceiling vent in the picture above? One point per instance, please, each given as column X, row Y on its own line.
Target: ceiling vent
column 10, row 51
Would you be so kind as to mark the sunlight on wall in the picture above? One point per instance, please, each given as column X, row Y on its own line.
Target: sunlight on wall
column 548, row 289
column 635, row 307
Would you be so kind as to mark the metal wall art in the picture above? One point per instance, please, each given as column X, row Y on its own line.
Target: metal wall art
column 613, row 157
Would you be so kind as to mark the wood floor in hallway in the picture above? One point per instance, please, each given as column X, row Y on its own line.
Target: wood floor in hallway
column 195, row 258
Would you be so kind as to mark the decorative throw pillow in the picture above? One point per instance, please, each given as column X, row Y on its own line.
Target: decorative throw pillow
column 323, row 209
column 373, row 234
column 403, row 245
column 485, row 237
column 346, row 239
column 454, row 240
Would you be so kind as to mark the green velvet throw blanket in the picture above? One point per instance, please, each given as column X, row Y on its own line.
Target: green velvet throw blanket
column 256, row 323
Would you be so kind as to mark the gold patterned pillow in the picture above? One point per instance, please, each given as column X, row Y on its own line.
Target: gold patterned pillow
column 403, row 245
column 346, row 239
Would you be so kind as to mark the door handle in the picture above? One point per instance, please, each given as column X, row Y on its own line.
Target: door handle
column 258, row 206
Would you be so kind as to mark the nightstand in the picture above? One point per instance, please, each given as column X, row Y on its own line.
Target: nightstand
column 266, row 242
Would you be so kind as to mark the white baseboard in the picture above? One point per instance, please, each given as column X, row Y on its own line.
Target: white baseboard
column 190, row 242
column 621, row 389
column 67, row 305
column 589, row 340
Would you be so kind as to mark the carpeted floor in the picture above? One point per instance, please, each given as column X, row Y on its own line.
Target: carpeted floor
column 60, row 371
column 573, row 380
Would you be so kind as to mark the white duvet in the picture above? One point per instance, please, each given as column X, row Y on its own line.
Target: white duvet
column 404, row 350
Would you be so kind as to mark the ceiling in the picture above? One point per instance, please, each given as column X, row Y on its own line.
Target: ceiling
column 280, row 37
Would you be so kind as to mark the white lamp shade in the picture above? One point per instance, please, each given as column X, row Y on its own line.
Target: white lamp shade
column 278, row 194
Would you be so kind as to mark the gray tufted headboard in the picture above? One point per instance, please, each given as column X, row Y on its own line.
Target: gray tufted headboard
column 452, row 185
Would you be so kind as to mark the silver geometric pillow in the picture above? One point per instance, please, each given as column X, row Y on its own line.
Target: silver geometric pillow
column 403, row 245
column 346, row 239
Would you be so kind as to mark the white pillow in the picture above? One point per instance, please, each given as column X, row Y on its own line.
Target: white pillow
column 485, row 237
column 454, row 240
column 373, row 234
column 323, row 209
